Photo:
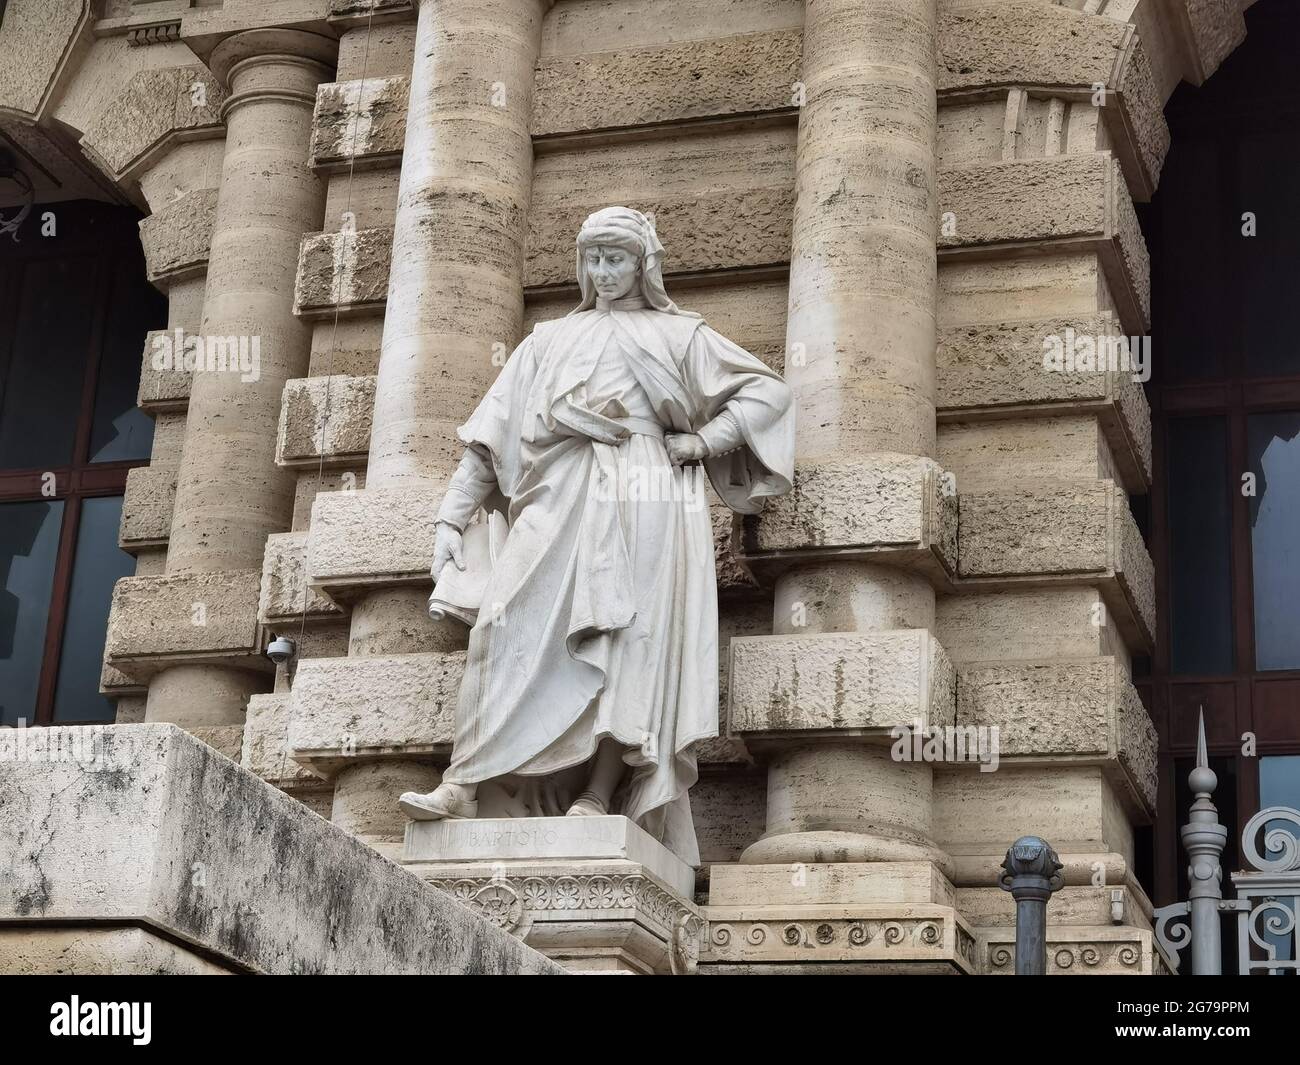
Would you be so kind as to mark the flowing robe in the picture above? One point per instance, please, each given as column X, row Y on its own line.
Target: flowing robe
column 600, row 617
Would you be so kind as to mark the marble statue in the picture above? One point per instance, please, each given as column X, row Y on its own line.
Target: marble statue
column 592, row 668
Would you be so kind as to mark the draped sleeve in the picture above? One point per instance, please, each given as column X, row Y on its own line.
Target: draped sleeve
column 497, row 425
column 723, row 377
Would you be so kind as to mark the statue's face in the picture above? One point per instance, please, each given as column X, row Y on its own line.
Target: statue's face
column 613, row 270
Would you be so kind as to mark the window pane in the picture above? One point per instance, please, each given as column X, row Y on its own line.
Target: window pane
column 98, row 564
column 121, row 430
column 42, row 389
column 1266, row 168
column 1273, row 442
column 1200, row 621
column 1279, row 781
column 29, row 545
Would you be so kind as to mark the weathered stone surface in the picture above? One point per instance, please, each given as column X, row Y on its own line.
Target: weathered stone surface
column 263, row 751
column 178, row 237
column 48, row 951
column 362, row 121
column 162, row 831
column 147, row 507
column 38, row 36
column 1083, row 709
column 734, row 75
column 882, row 505
column 285, row 596
column 155, row 106
column 1067, row 201
column 396, row 704
column 325, row 419
column 162, row 390
column 1069, row 531
column 1020, row 43
column 156, row 621
column 997, row 370
column 363, row 11
column 827, row 681
column 347, row 270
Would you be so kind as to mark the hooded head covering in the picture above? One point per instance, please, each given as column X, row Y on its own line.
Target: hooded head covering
column 625, row 228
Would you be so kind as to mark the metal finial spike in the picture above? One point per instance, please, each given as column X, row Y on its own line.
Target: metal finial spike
column 1202, row 759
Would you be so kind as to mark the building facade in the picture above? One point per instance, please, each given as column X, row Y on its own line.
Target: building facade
column 277, row 249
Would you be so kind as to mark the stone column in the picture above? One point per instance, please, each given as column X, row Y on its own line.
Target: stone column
column 860, row 359
column 455, row 300
column 230, row 494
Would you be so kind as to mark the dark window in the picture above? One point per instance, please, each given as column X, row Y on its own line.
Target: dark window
column 77, row 308
column 1224, row 232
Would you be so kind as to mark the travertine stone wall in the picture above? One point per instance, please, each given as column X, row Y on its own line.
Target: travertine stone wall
column 896, row 202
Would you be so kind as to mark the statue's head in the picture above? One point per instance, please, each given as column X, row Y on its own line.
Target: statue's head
column 619, row 255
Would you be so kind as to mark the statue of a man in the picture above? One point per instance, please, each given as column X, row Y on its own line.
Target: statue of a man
column 599, row 653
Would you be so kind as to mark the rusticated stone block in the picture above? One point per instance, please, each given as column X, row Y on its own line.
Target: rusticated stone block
column 364, row 538
column 361, row 12
column 827, row 681
column 347, row 271
column 1026, row 44
column 1217, row 27
column 192, row 617
column 715, row 231
column 736, row 75
column 325, row 419
column 997, row 371
column 263, row 751
column 1064, row 532
column 1081, row 711
column 362, row 121
column 883, row 506
column 147, row 507
column 285, row 594
column 1052, row 204
column 33, row 47
column 162, row 390
column 117, row 841
column 156, row 105
column 177, row 239
column 343, row 708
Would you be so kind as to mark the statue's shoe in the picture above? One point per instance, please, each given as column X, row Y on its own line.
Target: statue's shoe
column 438, row 805
column 587, row 805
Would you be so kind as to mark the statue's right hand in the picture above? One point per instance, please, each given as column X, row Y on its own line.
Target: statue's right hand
column 447, row 547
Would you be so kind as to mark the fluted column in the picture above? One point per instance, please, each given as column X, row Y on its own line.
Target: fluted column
column 860, row 360
column 230, row 494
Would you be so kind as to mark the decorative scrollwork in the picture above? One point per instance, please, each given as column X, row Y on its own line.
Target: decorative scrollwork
column 1278, row 840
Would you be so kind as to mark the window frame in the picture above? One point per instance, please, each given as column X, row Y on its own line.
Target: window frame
column 79, row 479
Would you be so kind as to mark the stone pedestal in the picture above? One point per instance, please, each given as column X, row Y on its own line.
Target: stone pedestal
column 835, row 917
column 596, row 894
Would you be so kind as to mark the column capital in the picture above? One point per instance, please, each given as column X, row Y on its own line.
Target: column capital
column 294, row 46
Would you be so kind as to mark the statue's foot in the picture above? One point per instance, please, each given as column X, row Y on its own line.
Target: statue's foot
column 444, row 802
column 587, row 804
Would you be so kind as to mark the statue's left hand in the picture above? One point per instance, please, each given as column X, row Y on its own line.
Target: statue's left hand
column 684, row 447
